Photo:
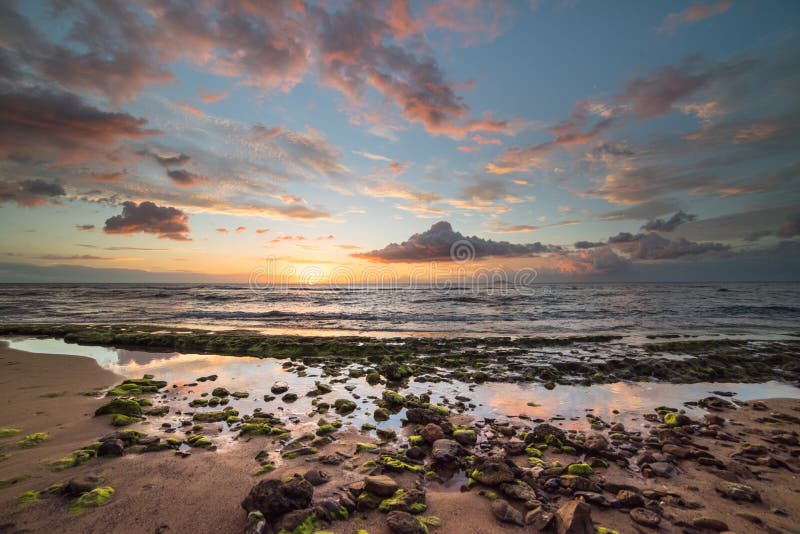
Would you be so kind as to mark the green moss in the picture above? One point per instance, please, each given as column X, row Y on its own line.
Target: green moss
column 127, row 407
column 344, row 406
column 618, row 436
column 466, row 434
column 32, row 440
column 220, row 392
column 240, row 394
column 533, row 451
column 441, row 410
column 265, row 468
column 583, row 470
column 533, row 460
column 54, row 489
column 92, row 499
column 367, row 427
column 373, row 378
column 393, row 398
column 569, row 449
column 28, row 498
column 8, row 432
column 363, row 447
column 215, row 417
column 197, row 403
column 366, row 467
column 416, row 439
column 550, row 385
column 671, row 419
column 255, row 429
column 605, row 530
column 199, row 441
column 309, row 526
column 395, row 464
column 6, row 482
column 143, row 402
column 324, row 430
column 289, row 397
column 123, row 420
column 75, row 459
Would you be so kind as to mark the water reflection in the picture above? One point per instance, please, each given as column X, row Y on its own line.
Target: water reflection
column 256, row 376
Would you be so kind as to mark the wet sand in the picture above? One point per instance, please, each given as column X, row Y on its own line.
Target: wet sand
column 162, row 492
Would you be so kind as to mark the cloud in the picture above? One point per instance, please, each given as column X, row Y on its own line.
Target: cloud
column 661, row 225
column 374, row 157
column 240, row 229
column 581, row 245
column 188, row 108
column 167, row 160
column 354, row 56
column 693, row 14
column 31, row 193
column 62, row 257
column 591, row 261
column 398, row 168
column 85, row 227
column 791, row 227
column 644, row 210
column 222, row 230
column 476, row 20
column 40, row 124
column 262, row 230
column 184, row 178
column 440, row 242
column 165, row 222
column 652, row 246
column 210, row 97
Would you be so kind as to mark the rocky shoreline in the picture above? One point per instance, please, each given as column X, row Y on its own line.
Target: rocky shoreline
column 733, row 468
column 569, row 360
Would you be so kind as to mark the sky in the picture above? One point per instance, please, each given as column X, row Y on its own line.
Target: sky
column 168, row 140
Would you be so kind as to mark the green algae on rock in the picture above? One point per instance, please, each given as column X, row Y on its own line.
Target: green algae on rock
column 32, row 440
column 91, row 499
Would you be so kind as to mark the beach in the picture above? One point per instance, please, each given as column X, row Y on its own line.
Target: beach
column 676, row 473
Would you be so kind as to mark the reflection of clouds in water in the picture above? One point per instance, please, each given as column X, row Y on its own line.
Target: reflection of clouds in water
column 126, row 357
column 627, row 397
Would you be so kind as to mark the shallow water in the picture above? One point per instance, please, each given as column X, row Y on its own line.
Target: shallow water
column 256, row 376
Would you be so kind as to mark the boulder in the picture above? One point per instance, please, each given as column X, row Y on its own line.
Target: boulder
column 445, row 450
column 738, row 492
column 595, row 443
column 276, row 497
column 574, row 517
column 316, row 477
column 423, row 416
column 404, row 523
column 545, row 433
column 381, row 485
column 506, row 513
column 493, row 472
column 629, row 499
column 645, row 517
column 431, row 432
column 111, row 447
column 279, row 387
column 707, row 523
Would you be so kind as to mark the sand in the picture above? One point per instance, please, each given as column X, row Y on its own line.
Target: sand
column 161, row 492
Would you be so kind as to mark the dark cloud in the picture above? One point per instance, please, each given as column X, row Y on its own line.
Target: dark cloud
column 581, row 245
column 644, row 210
column 147, row 217
column 790, row 228
column 45, row 125
column 31, row 193
column 85, row 227
column 693, row 14
column 652, row 246
column 441, row 242
column 170, row 160
column 185, row 178
column 661, row 225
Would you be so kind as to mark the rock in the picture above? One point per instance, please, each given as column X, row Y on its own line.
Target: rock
column 714, row 419
column 518, row 490
column 293, row 520
column 431, row 432
column 738, row 492
column 411, row 501
column 617, row 427
column 403, row 523
column 316, row 477
column 645, row 517
column 676, row 450
column 629, row 499
column 381, row 485
column 577, row 483
column 78, row 486
column 445, row 450
column 592, row 497
column 596, row 443
column 381, row 414
column 706, row 523
column 256, row 524
column 279, row 387
column 422, row 416
column 111, row 447
column 539, row 518
column 514, row 447
column 662, row 469
column 275, row 497
column 506, row 513
column 465, row 437
column 493, row 472
column 415, row 452
column 574, row 517
column 220, row 392
column 545, row 433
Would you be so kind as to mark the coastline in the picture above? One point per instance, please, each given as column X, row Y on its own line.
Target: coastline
column 203, row 492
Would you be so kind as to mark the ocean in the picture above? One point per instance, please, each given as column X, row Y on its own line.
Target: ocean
column 540, row 309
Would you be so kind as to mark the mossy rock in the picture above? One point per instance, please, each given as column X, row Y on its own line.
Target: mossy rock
column 199, row 441
column 32, row 440
column 92, row 499
column 393, row 398
column 583, row 470
column 240, row 394
column 220, row 392
column 127, row 407
column 344, row 406
column 27, row 498
column 8, row 432
column 373, row 378
column 255, row 429
column 123, row 420
column 215, row 417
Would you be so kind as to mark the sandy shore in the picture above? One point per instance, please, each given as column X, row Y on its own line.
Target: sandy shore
column 202, row 493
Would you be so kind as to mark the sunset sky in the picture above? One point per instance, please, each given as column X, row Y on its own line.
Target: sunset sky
column 163, row 140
